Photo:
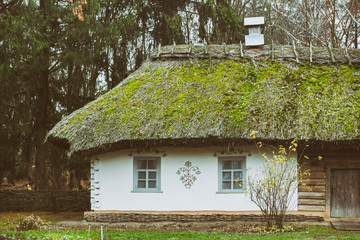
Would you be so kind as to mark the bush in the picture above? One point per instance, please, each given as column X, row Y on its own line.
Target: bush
column 273, row 189
column 29, row 223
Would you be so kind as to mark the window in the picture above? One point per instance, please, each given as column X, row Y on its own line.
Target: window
column 147, row 174
column 232, row 174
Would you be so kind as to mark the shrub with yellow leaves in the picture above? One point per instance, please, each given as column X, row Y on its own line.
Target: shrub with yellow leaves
column 273, row 189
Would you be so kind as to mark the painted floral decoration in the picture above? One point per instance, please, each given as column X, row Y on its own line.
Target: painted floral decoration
column 187, row 174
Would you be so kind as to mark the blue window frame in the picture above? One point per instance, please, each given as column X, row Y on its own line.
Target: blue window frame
column 232, row 173
column 147, row 174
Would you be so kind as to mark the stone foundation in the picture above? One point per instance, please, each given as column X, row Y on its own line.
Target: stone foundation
column 118, row 217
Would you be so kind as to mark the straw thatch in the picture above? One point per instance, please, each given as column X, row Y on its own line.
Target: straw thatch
column 224, row 92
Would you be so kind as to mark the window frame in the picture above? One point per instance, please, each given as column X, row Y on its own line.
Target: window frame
column 221, row 159
column 136, row 171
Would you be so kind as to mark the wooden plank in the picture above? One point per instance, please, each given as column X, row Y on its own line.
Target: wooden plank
column 316, row 174
column 311, row 194
column 344, row 165
column 308, row 207
column 320, row 182
column 324, row 198
column 315, row 202
column 313, row 188
column 314, row 168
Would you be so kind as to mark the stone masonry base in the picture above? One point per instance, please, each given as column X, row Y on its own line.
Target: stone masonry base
column 122, row 216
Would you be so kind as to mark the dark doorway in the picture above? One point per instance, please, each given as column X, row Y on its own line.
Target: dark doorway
column 345, row 193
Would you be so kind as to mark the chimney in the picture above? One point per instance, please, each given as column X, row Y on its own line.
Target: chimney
column 255, row 38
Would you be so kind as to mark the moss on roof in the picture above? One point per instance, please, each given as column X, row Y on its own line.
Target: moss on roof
column 227, row 99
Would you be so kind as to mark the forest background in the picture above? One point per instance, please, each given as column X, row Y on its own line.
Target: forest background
column 53, row 61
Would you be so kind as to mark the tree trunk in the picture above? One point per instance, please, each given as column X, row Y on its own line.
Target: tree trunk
column 41, row 117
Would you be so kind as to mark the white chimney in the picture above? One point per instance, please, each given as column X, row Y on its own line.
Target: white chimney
column 254, row 24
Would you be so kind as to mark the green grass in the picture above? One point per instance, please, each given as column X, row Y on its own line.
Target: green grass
column 8, row 226
column 308, row 233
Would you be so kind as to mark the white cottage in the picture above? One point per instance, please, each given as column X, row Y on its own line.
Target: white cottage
column 172, row 141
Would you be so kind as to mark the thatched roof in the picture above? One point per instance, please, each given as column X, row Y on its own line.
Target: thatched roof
column 189, row 93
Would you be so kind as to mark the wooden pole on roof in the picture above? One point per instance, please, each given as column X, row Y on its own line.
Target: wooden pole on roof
column 331, row 53
column 205, row 47
column 225, row 49
column 159, row 50
column 173, row 49
column 241, row 50
column 296, row 53
column 348, row 56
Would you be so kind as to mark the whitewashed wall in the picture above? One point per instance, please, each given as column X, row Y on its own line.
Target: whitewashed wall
column 113, row 184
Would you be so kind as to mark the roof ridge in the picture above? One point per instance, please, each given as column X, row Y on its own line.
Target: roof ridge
column 316, row 55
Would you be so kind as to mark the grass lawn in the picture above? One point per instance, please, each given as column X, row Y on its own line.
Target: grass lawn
column 8, row 226
column 308, row 233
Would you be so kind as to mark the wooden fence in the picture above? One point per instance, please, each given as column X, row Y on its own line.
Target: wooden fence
column 55, row 201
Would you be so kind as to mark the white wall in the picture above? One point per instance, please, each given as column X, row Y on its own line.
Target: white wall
column 116, row 182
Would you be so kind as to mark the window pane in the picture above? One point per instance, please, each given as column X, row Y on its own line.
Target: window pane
column 142, row 164
column 151, row 164
column 237, row 175
column 227, row 164
column 152, row 175
column 237, row 164
column 142, row 175
column 237, row 184
column 226, row 175
column 152, row 184
column 238, row 181
column 141, row 184
column 226, row 185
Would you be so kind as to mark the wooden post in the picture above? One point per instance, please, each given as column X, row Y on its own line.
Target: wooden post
column 311, row 52
column 89, row 231
column 101, row 232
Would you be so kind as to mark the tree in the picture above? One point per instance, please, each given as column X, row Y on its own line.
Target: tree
column 32, row 86
column 221, row 21
column 314, row 22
